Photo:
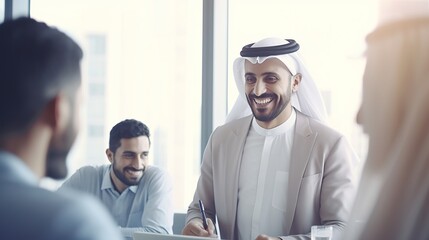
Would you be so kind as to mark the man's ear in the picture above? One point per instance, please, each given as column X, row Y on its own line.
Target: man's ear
column 57, row 112
column 296, row 80
column 109, row 155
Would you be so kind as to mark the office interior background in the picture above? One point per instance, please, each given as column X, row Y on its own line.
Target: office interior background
column 168, row 63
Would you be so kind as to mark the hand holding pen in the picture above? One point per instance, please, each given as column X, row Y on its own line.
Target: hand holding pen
column 203, row 227
column 203, row 215
column 205, row 223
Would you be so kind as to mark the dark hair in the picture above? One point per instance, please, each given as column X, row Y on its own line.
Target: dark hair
column 36, row 63
column 128, row 128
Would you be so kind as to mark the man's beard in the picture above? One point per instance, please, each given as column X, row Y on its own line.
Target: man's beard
column 59, row 147
column 119, row 173
column 281, row 103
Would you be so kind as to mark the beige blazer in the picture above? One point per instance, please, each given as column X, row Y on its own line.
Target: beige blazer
column 322, row 182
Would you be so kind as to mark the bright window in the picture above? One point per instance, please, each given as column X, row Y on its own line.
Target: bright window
column 2, row 9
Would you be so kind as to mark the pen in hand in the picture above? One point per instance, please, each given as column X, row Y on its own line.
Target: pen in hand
column 203, row 215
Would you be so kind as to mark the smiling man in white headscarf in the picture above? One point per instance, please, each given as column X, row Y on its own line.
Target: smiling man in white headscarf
column 274, row 169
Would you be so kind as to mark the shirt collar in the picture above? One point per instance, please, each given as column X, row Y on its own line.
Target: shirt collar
column 107, row 182
column 281, row 129
column 13, row 168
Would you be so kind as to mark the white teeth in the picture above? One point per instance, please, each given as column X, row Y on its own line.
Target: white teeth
column 263, row 100
column 133, row 172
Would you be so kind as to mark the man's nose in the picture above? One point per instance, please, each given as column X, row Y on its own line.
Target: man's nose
column 137, row 162
column 260, row 88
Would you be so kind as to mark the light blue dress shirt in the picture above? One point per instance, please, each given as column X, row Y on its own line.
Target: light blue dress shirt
column 30, row 212
column 145, row 207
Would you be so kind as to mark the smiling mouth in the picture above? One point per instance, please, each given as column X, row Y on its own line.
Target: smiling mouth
column 262, row 101
column 134, row 171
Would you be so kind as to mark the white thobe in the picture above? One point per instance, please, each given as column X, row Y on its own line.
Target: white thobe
column 263, row 180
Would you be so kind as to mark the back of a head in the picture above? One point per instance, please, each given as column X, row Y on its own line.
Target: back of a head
column 36, row 63
column 397, row 69
column 394, row 192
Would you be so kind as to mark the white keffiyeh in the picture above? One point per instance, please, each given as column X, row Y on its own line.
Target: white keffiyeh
column 307, row 99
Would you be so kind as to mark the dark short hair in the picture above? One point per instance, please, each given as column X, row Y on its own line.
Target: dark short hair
column 36, row 63
column 129, row 128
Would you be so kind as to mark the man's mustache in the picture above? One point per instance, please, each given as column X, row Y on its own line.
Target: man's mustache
column 134, row 169
column 264, row 95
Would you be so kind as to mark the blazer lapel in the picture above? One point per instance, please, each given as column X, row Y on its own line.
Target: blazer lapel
column 240, row 131
column 302, row 146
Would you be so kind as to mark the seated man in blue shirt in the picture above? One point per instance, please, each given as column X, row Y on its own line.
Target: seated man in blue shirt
column 138, row 196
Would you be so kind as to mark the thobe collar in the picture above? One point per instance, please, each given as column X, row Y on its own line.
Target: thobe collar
column 282, row 128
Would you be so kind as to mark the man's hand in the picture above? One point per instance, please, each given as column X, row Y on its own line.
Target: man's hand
column 265, row 237
column 195, row 228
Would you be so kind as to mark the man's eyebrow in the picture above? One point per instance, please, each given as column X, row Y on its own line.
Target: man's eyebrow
column 269, row 73
column 264, row 73
column 128, row 152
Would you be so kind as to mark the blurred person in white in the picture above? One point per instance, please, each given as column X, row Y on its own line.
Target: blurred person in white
column 138, row 196
column 274, row 169
column 393, row 196
column 40, row 79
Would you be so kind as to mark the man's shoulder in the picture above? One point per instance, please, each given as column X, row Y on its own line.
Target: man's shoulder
column 79, row 199
column 92, row 171
column 234, row 126
column 41, row 209
column 320, row 127
column 156, row 172
column 82, row 210
column 326, row 135
column 19, row 194
column 62, row 199
column 87, row 178
column 237, row 122
column 156, row 176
